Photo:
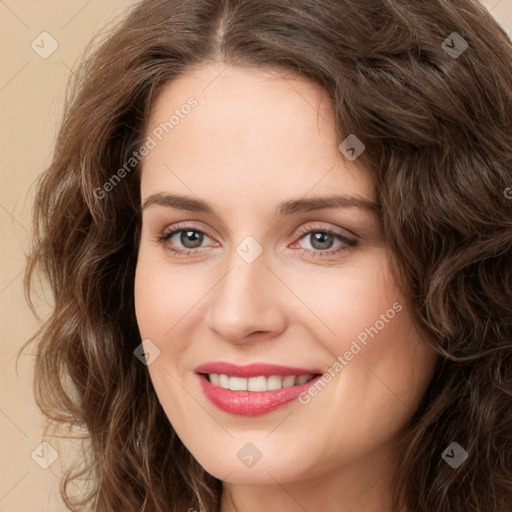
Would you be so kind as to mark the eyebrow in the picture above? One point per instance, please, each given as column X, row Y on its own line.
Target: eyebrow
column 285, row 208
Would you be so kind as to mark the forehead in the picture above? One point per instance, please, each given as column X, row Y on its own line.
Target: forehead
column 257, row 129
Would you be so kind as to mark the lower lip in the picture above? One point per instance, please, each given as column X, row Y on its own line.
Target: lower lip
column 251, row 403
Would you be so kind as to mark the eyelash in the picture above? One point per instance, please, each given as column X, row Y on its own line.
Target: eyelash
column 164, row 237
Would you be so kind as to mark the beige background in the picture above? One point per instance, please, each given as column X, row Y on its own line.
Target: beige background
column 31, row 92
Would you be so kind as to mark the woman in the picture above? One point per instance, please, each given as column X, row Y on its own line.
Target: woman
column 278, row 236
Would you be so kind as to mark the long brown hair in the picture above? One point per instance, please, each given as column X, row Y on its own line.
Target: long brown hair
column 427, row 87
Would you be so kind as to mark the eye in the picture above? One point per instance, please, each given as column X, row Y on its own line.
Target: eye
column 186, row 236
column 322, row 240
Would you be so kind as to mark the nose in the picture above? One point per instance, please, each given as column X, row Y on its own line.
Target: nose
column 247, row 303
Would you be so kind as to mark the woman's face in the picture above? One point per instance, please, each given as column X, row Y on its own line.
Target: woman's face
column 257, row 278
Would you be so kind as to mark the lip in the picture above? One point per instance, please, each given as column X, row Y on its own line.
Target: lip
column 251, row 403
column 253, row 370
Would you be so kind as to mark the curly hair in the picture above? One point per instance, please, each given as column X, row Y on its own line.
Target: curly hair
column 437, row 127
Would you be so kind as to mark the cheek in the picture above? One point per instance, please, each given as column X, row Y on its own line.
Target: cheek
column 377, row 355
column 350, row 301
column 161, row 306
column 162, row 297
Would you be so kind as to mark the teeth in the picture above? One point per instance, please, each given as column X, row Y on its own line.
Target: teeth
column 257, row 384
column 302, row 379
column 237, row 384
column 223, row 381
column 288, row 381
column 274, row 382
column 260, row 383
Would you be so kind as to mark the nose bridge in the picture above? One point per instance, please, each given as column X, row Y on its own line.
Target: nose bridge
column 248, row 273
column 245, row 300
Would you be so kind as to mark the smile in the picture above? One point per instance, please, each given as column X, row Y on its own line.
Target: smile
column 253, row 389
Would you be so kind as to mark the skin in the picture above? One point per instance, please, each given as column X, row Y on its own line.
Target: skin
column 255, row 139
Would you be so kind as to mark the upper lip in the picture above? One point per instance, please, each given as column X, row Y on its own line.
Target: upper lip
column 253, row 370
